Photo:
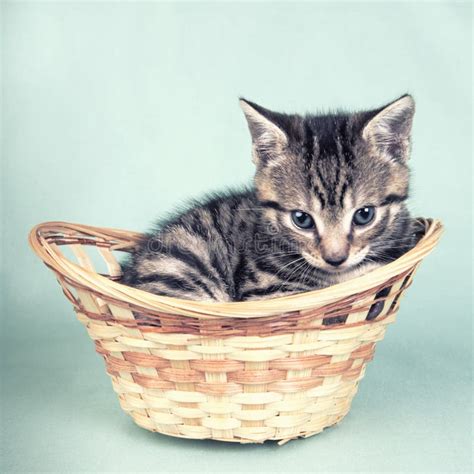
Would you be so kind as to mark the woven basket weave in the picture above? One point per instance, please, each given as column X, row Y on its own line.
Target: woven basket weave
column 254, row 371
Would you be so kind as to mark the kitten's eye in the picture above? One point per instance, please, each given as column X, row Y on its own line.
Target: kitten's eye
column 364, row 215
column 302, row 220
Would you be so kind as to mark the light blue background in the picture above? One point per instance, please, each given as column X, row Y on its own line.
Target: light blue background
column 114, row 113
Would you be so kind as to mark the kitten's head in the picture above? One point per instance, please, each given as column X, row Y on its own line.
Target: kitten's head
column 335, row 184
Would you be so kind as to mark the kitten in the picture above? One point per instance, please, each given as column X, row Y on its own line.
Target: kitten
column 327, row 204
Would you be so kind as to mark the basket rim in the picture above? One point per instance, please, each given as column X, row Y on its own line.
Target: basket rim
column 93, row 281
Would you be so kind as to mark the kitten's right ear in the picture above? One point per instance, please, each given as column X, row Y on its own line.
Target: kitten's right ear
column 268, row 139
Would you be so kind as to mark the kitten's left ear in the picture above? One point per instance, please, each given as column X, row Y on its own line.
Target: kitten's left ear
column 389, row 130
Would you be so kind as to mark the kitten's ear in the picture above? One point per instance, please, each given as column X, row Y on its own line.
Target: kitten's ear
column 268, row 138
column 389, row 129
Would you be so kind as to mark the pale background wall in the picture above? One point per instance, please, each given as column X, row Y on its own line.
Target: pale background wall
column 113, row 113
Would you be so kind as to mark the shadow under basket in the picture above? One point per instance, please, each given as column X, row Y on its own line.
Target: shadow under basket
column 248, row 372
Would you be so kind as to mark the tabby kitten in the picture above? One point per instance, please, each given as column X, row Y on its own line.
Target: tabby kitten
column 327, row 204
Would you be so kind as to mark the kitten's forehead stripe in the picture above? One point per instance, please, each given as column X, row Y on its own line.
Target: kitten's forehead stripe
column 309, row 146
column 320, row 196
column 329, row 164
column 343, row 193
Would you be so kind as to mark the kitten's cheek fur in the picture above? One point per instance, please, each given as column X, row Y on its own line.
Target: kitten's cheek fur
column 357, row 257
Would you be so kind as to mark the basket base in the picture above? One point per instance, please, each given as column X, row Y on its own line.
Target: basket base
column 252, row 439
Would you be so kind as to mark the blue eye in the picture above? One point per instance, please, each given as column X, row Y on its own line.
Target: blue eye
column 302, row 220
column 364, row 215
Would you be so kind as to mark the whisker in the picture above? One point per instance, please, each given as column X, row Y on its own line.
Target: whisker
column 293, row 272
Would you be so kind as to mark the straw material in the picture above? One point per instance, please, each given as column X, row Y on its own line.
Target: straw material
column 247, row 372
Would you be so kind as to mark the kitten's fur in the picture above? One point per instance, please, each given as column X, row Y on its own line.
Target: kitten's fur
column 244, row 245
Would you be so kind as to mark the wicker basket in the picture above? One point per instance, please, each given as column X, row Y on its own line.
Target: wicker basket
column 248, row 372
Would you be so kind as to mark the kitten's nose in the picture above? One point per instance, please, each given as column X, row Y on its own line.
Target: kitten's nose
column 336, row 260
column 335, row 248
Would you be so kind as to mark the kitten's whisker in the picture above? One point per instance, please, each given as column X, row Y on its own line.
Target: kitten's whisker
column 306, row 274
column 288, row 264
column 301, row 265
column 267, row 256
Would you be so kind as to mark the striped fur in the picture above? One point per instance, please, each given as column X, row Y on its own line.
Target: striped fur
column 243, row 245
